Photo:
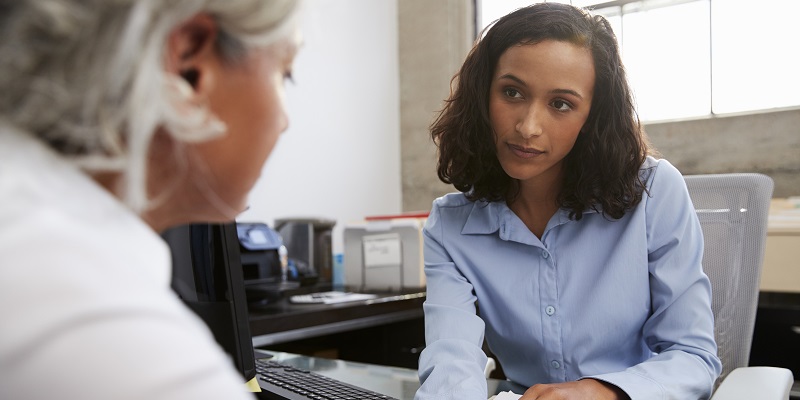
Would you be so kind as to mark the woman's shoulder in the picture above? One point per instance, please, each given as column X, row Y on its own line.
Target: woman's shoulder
column 659, row 171
column 665, row 186
column 452, row 200
column 452, row 209
column 60, row 219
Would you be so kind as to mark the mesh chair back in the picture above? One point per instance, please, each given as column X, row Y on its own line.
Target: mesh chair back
column 733, row 211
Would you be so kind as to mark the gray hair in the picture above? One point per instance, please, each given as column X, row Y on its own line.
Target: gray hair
column 87, row 76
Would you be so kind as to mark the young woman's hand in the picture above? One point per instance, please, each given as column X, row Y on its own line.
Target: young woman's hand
column 578, row 390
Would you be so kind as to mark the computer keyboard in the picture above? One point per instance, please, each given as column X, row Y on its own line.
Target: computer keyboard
column 290, row 383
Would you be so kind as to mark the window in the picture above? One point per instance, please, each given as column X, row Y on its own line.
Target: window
column 692, row 58
column 754, row 52
column 490, row 10
column 669, row 69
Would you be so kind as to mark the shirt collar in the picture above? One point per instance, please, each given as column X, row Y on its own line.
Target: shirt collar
column 484, row 218
column 490, row 217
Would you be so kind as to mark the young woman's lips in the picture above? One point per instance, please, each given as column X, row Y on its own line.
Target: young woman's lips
column 524, row 152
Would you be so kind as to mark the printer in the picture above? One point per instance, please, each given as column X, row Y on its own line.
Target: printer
column 264, row 264
column 385, row 253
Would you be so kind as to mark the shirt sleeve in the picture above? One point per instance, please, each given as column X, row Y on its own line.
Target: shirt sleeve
column 680, row 329
column 130, row 355
column 452, row 364
column 88, row 323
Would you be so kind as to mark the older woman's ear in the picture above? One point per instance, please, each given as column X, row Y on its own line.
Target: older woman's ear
column 192, row 66
column 191, row 52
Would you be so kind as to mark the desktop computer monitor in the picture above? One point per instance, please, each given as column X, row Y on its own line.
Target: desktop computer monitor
column 207, row 275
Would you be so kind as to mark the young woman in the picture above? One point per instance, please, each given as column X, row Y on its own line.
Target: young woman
column 119, row 119
column 574, row 252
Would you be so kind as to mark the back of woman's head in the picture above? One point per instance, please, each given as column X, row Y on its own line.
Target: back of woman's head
column 602, row 168
column 87, row 76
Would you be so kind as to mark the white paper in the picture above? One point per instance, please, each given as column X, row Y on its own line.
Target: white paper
column 382, row 250
column 350, row 297
column 506, row 396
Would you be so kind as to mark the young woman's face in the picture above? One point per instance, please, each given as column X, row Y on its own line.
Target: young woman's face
column 539, row 100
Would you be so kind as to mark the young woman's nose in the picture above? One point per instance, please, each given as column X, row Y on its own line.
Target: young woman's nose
column 530, row 122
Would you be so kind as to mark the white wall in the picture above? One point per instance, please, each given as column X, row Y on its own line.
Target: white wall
column 340, row 157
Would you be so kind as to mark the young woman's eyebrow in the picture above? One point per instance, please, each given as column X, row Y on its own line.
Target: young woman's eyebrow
column 555, row 91
column 513, row 78
column 567, row 91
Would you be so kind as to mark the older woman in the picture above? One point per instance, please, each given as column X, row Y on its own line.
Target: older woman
column 119, row 119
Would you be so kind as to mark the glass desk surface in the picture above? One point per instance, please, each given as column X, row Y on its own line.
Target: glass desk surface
column 400, row 383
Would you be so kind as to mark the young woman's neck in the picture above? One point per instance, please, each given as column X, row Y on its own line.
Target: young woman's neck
column 536, row 202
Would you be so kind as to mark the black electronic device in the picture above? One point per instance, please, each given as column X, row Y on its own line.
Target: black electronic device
column 260, row 249
column 207, row 276
column 285, row 382
column 265, row 279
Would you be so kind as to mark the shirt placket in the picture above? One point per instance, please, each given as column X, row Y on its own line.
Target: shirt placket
column 551, row 326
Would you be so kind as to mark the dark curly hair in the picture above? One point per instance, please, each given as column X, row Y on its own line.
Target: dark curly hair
column 601, row 170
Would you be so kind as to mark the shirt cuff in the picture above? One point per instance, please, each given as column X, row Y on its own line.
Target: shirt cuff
column 636, row 386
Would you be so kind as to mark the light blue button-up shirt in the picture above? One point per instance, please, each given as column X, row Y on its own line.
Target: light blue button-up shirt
column 623, row 301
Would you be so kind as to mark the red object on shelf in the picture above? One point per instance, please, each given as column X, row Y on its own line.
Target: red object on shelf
column 412, row 214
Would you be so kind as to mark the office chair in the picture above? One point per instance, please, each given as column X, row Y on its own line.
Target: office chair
column 733, row 211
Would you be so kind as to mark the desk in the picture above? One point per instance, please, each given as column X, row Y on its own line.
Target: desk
column 400, row 383
column 776, row 337
column 283, row 321
column 387, row 330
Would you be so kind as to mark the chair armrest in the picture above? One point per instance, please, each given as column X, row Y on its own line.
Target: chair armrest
column 767, row 383
column 491, row 365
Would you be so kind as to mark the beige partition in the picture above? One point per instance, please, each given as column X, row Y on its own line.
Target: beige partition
column 782, row 258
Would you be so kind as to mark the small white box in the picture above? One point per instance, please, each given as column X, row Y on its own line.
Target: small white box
column 384, row 254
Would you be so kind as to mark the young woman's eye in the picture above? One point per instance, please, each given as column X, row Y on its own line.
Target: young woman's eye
column 511, row 92
column 561, row 105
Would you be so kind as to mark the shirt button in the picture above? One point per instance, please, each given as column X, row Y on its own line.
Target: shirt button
column 550, row 310
column 545, row 254
column 555, row 364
